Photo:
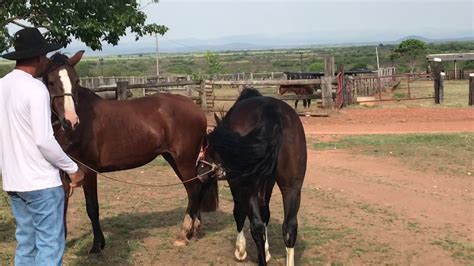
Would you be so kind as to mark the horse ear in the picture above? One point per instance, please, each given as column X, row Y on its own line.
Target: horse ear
column 76, row 58
column 218, row 120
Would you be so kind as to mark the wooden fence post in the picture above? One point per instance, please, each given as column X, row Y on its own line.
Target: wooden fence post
column 436, row 72
column 441, row 87
column 122, row 90
column 408, row 86
column 326, row 91
column 329, row 66
column 203, row 96
column 471, row 89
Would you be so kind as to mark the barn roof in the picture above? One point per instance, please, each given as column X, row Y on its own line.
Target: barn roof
column 451, row 57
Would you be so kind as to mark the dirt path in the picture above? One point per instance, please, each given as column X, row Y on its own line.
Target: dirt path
column 387, row 121
column 409, row 212
column 356, row 209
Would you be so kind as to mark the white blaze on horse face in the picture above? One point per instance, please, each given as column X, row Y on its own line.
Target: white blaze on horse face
column 240, row 246
column 69, row 110
column 268, row 256
column 290, row 257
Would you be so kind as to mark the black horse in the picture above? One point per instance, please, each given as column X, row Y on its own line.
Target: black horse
column 260, row 141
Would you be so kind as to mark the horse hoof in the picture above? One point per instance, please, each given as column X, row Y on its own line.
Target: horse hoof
column 268, row 256
column 240, row 256
column 95, row 250
column 181, row 242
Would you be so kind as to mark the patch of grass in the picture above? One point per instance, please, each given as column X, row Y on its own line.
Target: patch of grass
column 7, row 230
column 399, row 95
column 414, row 226
column 319, row 234
column 159, row 161
column 459, row 250
column 448, row 152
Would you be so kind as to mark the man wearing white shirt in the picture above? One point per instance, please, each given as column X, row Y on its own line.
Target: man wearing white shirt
column 30, row 156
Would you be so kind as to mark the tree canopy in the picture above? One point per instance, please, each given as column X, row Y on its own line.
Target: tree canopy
column 411, row 50
column 90, row 21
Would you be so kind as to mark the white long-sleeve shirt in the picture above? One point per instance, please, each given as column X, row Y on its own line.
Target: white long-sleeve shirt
column 30, row 156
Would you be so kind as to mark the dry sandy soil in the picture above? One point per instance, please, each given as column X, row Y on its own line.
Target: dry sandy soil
column 356, row 210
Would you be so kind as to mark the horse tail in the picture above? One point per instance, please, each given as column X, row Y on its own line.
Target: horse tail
column 254, row 155
column 210, row 191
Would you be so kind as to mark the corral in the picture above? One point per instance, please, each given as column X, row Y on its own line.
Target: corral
column 369, row 197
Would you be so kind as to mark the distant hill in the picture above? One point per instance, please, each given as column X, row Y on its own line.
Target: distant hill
column 253, row 42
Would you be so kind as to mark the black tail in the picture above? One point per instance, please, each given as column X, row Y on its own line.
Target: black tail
column 210, row 196
column 253, row 155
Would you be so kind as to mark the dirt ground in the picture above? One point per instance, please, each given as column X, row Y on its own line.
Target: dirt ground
column 356, row 209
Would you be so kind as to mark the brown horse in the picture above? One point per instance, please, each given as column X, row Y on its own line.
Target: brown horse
column 116, row 135
column 298, row 90
column 260, row 141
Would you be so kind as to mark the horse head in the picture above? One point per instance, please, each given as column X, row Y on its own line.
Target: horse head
column 282, row 89
column 63, row 84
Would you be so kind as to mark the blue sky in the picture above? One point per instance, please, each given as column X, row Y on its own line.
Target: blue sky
column 212, row 23
column 217, row 19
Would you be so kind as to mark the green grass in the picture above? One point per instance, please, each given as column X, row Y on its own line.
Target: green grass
column 441, row 152
column 7, row 229
column 459, row 250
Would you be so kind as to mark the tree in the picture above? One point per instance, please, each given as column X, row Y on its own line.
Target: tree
column 412, row 51
column 212, row 62
column 90, row 21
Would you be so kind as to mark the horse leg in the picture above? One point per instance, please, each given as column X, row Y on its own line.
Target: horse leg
column 67, row 191
column 191, row 221
column 309, row 103
column 267, row 190
column 257, row 228
column 240, row 244
column 291, row 204
column 92, row 206
column 296, row 104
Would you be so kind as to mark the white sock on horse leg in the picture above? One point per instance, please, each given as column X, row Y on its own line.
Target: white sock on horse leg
column 290, row 257
column 240, row 247
column 268, row 256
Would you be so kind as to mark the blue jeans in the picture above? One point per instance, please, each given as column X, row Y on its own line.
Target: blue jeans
column 39, row 218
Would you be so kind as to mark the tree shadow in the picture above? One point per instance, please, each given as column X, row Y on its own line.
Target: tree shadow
column 125, row 231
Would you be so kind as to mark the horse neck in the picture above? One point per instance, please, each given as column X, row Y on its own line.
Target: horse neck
column 87, row 96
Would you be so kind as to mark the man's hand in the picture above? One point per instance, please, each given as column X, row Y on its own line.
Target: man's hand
column 76, row 178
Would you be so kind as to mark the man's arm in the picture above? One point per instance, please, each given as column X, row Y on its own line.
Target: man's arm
column 40, row 115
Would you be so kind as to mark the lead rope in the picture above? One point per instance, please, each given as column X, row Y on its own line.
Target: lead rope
column 212, row 165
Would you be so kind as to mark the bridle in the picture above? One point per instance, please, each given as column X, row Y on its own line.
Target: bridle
column 52, row 97
column 61, row 120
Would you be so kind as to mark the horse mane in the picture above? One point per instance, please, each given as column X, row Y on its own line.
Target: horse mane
column 254, row 155
column 248, row 93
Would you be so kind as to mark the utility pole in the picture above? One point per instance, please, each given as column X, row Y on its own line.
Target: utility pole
column 301, row 61
column 157, row 60
column 378, row 64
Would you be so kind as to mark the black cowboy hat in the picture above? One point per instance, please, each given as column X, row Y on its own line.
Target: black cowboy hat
column 29, row 43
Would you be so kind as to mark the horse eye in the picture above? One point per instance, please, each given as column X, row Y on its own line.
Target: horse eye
column 51, row 83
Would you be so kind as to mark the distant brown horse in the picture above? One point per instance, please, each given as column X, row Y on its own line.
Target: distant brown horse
column 302, row 90
column 116, row 135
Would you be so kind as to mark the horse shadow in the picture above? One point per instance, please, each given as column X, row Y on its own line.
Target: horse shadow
column 125, row 231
